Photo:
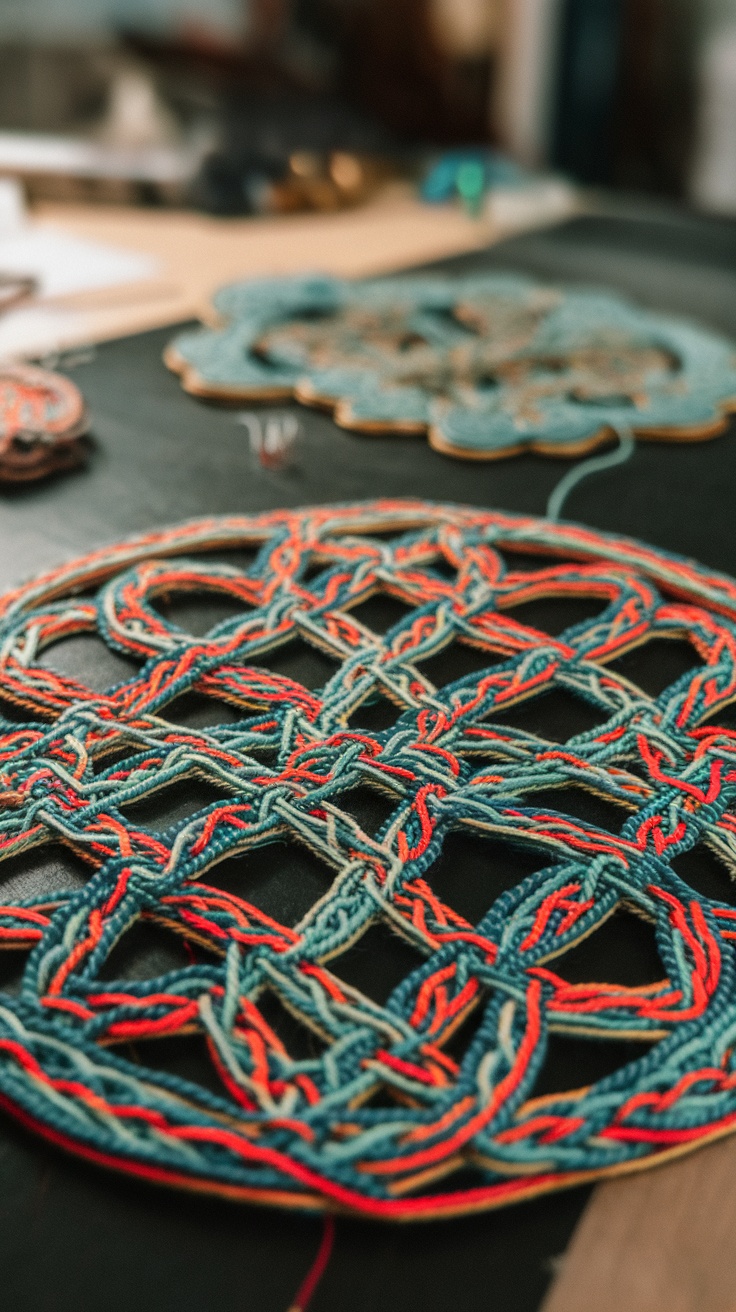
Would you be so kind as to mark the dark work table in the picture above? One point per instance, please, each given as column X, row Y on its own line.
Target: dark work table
column 74, row 1237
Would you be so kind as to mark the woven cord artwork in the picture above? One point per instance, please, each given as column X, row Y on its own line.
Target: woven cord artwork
column 486, row 366
column 379, row 998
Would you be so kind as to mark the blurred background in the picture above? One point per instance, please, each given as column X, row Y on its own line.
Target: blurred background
column 241, row 106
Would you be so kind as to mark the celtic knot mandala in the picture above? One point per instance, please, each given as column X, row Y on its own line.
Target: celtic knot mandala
column 390, row 903
column 486, row 366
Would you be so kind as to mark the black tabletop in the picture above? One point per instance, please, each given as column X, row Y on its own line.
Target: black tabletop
column 74, row 1237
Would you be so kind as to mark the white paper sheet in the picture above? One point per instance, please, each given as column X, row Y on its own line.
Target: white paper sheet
column 36, row 331
column 64, row 264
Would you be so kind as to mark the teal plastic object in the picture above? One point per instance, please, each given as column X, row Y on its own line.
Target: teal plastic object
column 469, row 174
column 486, row 366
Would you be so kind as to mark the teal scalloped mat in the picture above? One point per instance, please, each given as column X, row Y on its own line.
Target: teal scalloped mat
column 486, row 366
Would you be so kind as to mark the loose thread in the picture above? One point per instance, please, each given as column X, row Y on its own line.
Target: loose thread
column 595, row 465
column 308, row 1287
column 272, row 437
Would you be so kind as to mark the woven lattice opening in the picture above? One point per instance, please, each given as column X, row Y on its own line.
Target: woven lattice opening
column 42, row 872
column 15, row 713
column 572, row 1063
column 200, row 612
column 185, row 1059
column 557, row 715
column 376, row 713
column 282, row 880
column 300, row 1040
column 623, row 950
column 706, row 874
column 12, row 966
column 531, row 562
column 144, row 952
column 472, row 872
column 88, row 659
column 371, row 808
column 655, row 665
column 383, row 1099
column 445, row 568
column 169, row 804
column 459, row 1038
column 456, row 661
column 299, row 661
column 593, row 809
column 554, row 615
column 381, row 612
column 193, row 711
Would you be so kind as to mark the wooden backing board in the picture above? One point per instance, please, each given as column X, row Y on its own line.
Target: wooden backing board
column 663, row 1240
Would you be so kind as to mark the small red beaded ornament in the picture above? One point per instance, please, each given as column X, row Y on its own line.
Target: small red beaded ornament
column 42, row 419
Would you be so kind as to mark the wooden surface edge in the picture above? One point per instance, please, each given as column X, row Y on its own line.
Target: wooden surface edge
column 663, row 1240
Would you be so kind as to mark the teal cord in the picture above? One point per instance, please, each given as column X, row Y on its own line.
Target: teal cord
column 618, row 456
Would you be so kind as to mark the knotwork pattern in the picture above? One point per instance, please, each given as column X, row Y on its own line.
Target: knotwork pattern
column 486, row 366
column 335, row 1083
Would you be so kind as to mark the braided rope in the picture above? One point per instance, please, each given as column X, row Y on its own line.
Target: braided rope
column 385, row 1117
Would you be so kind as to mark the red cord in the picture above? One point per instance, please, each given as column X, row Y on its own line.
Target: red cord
column 308, row 1287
